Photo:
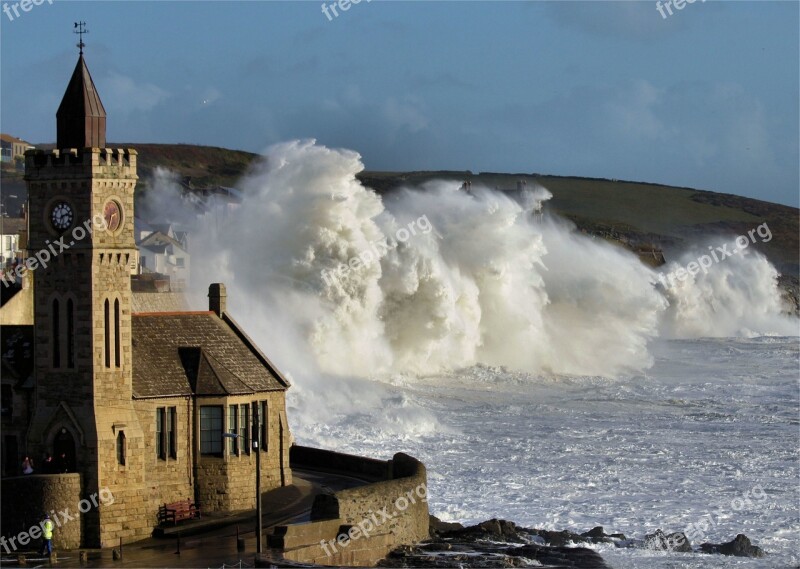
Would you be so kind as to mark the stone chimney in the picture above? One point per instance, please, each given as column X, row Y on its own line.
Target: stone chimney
column 217, row 298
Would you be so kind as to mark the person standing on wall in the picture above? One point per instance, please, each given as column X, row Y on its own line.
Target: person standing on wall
column 48, row 465
column 47, row 536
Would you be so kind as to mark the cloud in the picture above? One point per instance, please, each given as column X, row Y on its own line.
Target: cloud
column 125, row 95
column 638, row 21
column 632, row 111
column 405, row 115
column 444, row 79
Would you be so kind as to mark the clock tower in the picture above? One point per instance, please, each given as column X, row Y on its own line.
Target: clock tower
column 81, row 252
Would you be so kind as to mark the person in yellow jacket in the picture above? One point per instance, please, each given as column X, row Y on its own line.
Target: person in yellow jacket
column 47, row 535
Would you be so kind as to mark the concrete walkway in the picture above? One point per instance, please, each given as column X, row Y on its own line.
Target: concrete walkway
column 211, row 541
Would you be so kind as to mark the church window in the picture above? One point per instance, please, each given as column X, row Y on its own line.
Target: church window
column 160, row 446
column 211, row 430
column 70, row 333
column 244, row 428
column 254, row 425
column 264, row 418
column 56, row 339
column 108, row 334
column 116, row 333
column 233, row 423
column 172, row 431
column 121, row 448
column 7, row 401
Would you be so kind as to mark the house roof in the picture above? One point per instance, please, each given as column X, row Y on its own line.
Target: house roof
column 8, row 138
column 12, row 225
column 158, row 241
column 185, row 353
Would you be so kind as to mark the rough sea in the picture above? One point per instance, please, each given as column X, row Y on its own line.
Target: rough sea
column 544, row 376
column 706, row 443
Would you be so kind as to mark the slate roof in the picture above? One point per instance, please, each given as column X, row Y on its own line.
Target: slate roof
column 81, row 118
column 185, row 353
column 12, row 225
column 158, row 241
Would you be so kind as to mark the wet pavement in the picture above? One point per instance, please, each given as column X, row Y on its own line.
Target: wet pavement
column 211, row 541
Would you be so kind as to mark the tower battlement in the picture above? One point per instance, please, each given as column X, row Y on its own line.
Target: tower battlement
column 73, row 162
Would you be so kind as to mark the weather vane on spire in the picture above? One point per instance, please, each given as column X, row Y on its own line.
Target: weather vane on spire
column 81, row 29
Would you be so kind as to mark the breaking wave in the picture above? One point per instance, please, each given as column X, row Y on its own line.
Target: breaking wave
column 338, row 281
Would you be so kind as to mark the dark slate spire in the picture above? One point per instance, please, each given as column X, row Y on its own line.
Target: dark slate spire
column 81, row 117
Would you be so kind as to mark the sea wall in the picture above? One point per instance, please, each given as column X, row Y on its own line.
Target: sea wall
column 357, row 526
column 25, row 500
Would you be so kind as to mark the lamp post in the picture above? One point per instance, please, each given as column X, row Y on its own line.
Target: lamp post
column 256, row 449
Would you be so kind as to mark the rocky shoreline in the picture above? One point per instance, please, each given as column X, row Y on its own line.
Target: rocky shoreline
column 500, row 543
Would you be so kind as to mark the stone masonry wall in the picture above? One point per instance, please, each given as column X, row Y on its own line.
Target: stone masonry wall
column 227, row 482
column 402, row 499
column 25, row 500
column 167, row 479
column 91, row 401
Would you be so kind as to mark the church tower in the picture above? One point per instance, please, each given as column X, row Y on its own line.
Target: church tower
column 81, row 234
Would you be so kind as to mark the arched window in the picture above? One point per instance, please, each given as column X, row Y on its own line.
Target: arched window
column 70, row 333
column 116, row 333
column 56, row 339
column 108, row 333
column 121, row 448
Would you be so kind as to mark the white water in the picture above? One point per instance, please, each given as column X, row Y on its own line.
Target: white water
column 514, row 357
column 712, row 420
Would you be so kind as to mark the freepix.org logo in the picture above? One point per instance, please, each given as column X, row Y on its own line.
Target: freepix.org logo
column 13, row 10
column 53, row 249
column 375, row 252
column 60, row 518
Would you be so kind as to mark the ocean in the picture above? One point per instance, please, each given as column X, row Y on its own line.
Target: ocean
column 544, row 376
column 705, row 442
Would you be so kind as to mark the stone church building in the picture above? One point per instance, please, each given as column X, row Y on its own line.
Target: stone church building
column 136, row 402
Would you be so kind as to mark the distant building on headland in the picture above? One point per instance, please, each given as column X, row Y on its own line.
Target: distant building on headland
column 163, row 251
column 13, row 148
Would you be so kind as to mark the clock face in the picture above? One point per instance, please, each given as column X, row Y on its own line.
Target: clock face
column 61, row 216
column 112, row 215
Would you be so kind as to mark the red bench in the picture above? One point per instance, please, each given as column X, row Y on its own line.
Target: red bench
column 177, row 512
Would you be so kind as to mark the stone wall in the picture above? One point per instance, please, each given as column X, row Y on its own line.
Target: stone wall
column 89, row 398
column 349, row 528
column 227, row 482
column 404, row 497
column 170, row 478
column 336, row 462
column 25, row 500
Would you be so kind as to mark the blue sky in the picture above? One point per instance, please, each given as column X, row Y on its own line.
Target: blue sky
column 706, row 98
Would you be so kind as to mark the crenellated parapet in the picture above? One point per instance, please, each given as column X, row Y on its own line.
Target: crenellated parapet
column 77, row 163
